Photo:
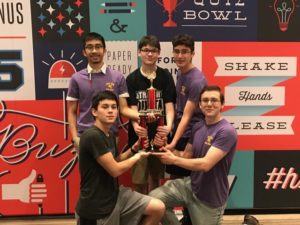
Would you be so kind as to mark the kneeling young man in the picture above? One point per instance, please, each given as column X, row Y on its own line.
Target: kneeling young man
column 208, row 155
column 102, row 200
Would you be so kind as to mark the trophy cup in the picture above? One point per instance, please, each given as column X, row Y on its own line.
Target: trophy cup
column 152, row 108
column 169, row 6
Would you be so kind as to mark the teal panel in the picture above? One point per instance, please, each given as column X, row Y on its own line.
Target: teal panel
column 241, row 196
column 118, row 22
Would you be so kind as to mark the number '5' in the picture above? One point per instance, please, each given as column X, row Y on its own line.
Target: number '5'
column 11, row 74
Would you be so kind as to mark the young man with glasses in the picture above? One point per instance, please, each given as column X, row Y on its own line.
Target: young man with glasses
column 190, row 82
column 86, row 83
column 208, row 155
column 138, row 82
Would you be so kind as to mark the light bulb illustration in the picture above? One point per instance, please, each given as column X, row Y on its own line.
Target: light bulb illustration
column 60, row 74
column 284, row 9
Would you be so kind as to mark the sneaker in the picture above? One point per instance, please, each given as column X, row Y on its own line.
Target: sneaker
column 185, row 220
column 250, row 220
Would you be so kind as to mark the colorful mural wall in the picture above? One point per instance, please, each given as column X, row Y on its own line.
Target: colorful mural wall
column 250, row 48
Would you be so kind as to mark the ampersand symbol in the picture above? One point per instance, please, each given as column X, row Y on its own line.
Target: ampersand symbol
column 116, row 27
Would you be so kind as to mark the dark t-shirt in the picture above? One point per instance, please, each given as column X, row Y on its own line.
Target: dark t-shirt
column 138, row 84
column 98, row 189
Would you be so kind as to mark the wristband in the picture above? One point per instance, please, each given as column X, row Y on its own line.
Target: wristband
column 133, row 151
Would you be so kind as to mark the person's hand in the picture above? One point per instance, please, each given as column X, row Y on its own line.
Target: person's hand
column 151, row 117
column 141, row 155
column 137, row 145
column 140, row 131
column 163, row 131
column 76, row 141
column 170, row 146
column 159, row 140
column 165, row 156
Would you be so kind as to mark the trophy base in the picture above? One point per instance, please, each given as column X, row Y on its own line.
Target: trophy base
column 170, row 23
column 153, row 149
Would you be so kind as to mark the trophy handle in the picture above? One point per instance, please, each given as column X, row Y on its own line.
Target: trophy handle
column 179, row 4
column 158, row 2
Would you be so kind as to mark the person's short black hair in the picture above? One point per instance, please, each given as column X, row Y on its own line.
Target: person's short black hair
column 149, row 40
column 103, row 95
column 93, row 36
column 184, row 39
column 213, row 88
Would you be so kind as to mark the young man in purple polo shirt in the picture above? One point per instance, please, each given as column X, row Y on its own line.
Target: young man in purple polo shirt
column 208, row 155
column 190, row 82
column 85, row 84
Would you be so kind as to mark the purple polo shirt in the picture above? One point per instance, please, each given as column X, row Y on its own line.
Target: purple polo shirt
column 84, row 86
column 212, row 187
column 188, row 87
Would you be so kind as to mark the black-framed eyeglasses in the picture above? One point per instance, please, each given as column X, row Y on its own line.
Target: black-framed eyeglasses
column 92, row 47
column 211, row 100
column 182, row 51
column 148, row 50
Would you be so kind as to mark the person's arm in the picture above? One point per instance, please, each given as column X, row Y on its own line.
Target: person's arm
column 184, row 160
column 116, row 168
column 72, row 120
column 126, row 111
column 134, row 149
column 188, row 112
column 213, row 156
column 170, row 114
column 140, row 131
column 187, row 153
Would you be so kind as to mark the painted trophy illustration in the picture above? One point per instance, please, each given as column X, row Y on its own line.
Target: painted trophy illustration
column 169, row 6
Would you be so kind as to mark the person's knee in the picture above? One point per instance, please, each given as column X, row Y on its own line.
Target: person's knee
column 159, row 207
column 154, row 212
column 155, row 208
